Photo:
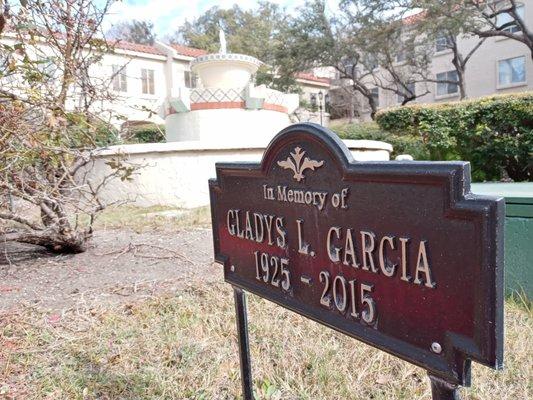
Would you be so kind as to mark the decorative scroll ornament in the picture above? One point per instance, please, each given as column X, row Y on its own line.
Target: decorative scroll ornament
column 297, row 165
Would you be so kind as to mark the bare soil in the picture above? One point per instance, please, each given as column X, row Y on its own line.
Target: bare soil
column 121, row 265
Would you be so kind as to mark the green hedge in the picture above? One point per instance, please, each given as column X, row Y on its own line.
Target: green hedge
column 145, row 133
column 494, row 133
column 402, row 144
column 85, row 132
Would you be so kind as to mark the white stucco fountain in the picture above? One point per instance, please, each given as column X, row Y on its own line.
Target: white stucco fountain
column 227, row 107
column 226, row 119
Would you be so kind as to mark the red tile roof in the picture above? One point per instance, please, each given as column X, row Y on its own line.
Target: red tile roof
column 311, row 77
column 188, row 51
column 140, row 48
column 143, row 48
column 412, row 19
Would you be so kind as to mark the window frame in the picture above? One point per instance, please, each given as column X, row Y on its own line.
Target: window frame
column 447, row 44
column 148, row 81
column 448, row 93
column 120, row 78
column 190, row 79
column 500, row 85
column 370, row 64
column 400, row 57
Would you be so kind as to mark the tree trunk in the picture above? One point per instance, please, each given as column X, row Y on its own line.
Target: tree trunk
column 517, row 172
column 462, row 84
column 460, row 68
column 373, row 107
column 75, row 242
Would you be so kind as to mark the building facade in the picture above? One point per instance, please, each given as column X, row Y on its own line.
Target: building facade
column 499, row 66
column 142, row 79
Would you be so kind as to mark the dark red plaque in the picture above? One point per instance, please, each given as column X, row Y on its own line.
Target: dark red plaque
column 397, row 254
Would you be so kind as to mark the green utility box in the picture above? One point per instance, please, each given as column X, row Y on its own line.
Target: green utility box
column 518, row 232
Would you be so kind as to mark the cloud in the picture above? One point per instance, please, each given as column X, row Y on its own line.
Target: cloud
column 167, row 15
column 155, row 11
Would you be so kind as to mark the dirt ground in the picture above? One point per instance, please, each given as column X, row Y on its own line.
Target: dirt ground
column 121, row 265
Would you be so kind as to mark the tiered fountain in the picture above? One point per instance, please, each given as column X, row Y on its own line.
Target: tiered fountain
column 228, row 108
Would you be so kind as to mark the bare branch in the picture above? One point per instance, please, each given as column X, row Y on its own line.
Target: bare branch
column 9, row 216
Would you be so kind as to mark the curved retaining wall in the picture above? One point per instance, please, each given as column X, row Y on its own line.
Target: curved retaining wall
column 176, row 174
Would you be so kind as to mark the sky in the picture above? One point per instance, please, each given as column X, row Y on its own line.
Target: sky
column 167, row 15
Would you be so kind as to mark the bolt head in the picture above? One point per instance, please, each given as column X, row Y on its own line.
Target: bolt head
column 436, row 348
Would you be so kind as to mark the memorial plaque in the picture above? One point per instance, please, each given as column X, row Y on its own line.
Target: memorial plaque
column 399, row 255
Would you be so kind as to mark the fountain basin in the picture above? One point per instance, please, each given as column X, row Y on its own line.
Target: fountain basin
column 225, row 70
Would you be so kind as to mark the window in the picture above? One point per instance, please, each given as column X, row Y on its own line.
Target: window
column 147, row 79
column 505, row 18
column 406, row 92
column 446, row 83
column 374, row 93
column 46, row 66
column 442, row 43
column 512, row 70
column 350, row 70
column 401, row 56
column 120, row 81
column 313, row 100
column 370, row 62
column 190, row 79
column 349, row 66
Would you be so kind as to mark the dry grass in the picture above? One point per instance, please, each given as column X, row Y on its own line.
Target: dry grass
column 184, row 347
column 144, row 219
column 140, row 219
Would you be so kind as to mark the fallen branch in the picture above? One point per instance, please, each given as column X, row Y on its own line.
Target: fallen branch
column 134, row 247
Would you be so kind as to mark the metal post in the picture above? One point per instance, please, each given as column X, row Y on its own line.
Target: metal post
column 443, row 390
column 244, row 343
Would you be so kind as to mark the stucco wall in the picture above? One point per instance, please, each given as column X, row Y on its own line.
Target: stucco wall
column 226, row 126
column 176, row 174
column 177, row 177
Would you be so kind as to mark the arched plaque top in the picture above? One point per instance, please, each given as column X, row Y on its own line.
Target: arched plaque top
column 330, row 143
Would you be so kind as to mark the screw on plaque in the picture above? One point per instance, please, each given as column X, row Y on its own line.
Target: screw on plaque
column 436, row 348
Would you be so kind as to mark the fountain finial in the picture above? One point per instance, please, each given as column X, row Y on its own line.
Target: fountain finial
column 223, row 45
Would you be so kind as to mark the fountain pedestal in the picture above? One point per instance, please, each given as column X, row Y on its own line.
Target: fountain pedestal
column 227, row 107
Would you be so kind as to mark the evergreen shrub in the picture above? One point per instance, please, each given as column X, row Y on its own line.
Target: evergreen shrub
column 494, row 133
column 402, row 144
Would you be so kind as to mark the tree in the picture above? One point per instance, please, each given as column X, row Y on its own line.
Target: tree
column 50, row 123
column 248, row 31
column 389, row 42
column 437, row 28
column 434, row 25
column 135, row 31
column 445, row 21
column 255, row 32
column 485, row 16
column 354, row 44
